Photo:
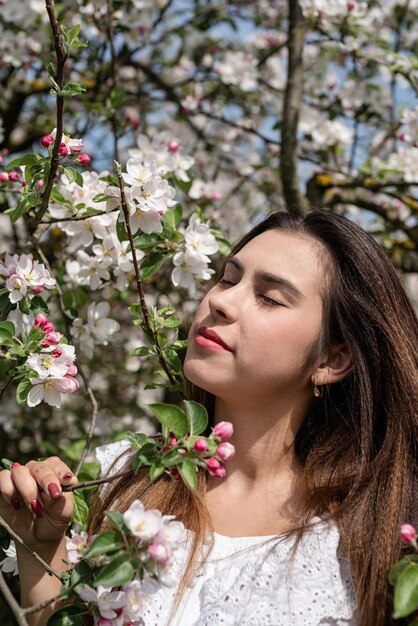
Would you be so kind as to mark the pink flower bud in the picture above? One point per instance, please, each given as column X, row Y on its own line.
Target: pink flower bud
column 173, row 146
column 46, row 343
column 72, row 370
column 41, row 320
column 200, row 445
column 47, row 140
column 408, row 533
column 48, row 327
column 14, row 176
column 158, row 552
column 56, row 353
column 215, row 468
column 38, row 289
column 351, row 5
column 103, row 621
column 4, row 177
column 215, row 195
column 173, row 441
column 1, row 160
column 223, row 430
column 66, row 385
column 175, row 473
column 84, row 159
column 40, row 183
column 53, row 337
column 63, row 150
column 225, row 451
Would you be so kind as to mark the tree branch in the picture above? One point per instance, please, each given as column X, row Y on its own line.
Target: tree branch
column 16, row 609
column 61, row 59
column 295, row 201
column 35, row 555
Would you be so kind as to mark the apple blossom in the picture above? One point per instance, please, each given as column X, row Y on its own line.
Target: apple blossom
column 14, row 176
column 215, row 468
column 200, row 445
column 75, row 545
column 223, row 430
column 225, row 451
column 84, row 159
column 408, row 533
column 49, row 390
column 108, row 602
column 141, row 523
column 4, row 177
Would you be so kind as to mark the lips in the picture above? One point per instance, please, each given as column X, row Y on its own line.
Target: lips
column 210, row 334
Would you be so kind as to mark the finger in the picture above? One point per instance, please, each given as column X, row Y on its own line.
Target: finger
column 28, row 489
column 8, row 490
column 51, row 475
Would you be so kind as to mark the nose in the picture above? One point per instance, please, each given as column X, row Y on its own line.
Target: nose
column 223, row 303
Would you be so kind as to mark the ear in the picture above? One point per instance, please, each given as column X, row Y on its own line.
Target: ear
column 334, row 367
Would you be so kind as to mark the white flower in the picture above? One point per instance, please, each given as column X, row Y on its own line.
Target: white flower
column 405, row 161
column 336, row 9
column 141, row 523
column 9, row 565
column 75, row 145
column 25, row 276
column 134, row 601
column 100, row 326
column 75, row 545
column 82, row 334
column 238, row 68
column 137, row 173
column 198, row 237
column 108, row 601
column 45, row 364
column 49, row 390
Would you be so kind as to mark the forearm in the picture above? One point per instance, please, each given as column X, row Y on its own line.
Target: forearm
column 36, row 584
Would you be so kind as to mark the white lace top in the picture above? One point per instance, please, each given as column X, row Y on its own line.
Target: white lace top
column 256, row 581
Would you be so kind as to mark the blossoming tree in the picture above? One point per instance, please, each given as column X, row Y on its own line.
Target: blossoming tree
column 137, row 138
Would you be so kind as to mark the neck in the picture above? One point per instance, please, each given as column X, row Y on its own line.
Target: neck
column 263, row 438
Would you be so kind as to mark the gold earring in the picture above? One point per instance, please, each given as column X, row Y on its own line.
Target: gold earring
column 317, row 392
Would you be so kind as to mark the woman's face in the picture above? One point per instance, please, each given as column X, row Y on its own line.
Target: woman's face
column 254, row 329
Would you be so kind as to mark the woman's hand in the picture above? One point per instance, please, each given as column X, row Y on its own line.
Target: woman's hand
column 32, row 501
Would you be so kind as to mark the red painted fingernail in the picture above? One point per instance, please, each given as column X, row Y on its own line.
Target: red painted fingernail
column 16, row 504
column 37, row 508
column 54, row 490
column 15, row 464
column 68, row 475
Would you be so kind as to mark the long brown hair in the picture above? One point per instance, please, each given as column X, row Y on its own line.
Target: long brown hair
column 358, row 444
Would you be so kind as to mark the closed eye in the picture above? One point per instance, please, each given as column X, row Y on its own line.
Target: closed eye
column 263, row 299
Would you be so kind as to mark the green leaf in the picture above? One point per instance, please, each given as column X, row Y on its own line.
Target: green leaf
column 188, row 473
column 117, row 520
column 156, row 470
column 406, row 592
column 71, row 89
column 172, row 217
column 5, row 304
column 172, row 457
column 104, row 543
column 7, row 330
column 118, row 572
column 101, row 197
column 399, row 567
column 137, row 440
column 121, row 233
column 27, row 159
column 72, row 615
column 22, row 390
column 172, row 322
column 197, row 416
column 38, row 305
column 73, row 175
column 172, row 418
column 142, row 351
column 81, row 509
column 151, row 264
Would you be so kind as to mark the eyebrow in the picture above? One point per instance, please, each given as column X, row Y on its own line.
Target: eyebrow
column 287, row 286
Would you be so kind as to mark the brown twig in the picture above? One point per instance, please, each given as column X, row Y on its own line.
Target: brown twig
column 16, row 609
column 35, row 555
column 295, row 201
column 139, row 285
column 98, row 481
column 61, row 59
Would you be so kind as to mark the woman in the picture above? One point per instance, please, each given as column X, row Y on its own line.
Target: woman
column 308, row 345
